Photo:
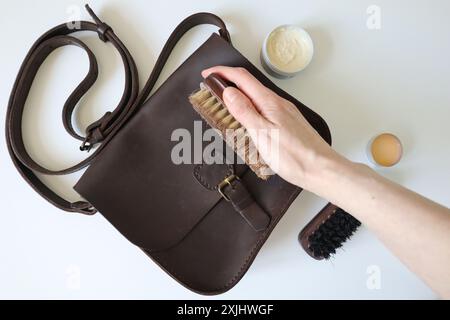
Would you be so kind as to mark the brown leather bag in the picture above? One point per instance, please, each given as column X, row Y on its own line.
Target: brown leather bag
column 174, row 213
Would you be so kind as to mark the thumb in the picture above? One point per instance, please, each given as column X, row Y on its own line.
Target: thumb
column 242, row 108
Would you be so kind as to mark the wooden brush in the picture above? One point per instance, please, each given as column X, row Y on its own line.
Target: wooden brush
column 208, row 102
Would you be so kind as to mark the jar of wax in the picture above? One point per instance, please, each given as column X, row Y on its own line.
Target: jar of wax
column 385, row 150
column 286, row 51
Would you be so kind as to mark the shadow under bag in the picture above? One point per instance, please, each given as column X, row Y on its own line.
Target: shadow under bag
column 203, row 238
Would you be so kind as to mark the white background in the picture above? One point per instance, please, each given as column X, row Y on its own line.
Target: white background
column 361, row 81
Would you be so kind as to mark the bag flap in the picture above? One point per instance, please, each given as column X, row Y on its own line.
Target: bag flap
column 134, row 182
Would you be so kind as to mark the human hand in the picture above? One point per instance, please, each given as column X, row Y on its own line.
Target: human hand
column 301, row 153
column 395, row 214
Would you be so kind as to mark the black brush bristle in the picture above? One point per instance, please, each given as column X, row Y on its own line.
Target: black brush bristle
column 332, row 234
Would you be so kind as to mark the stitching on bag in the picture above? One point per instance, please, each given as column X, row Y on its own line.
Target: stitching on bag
column 203, row 181
column 261, row 238
column 200, row 178
column 245, row 264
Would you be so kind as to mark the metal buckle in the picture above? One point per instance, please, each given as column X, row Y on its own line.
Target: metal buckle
column 86, row 145
column 224, row 183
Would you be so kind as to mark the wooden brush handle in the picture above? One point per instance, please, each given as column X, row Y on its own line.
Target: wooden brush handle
column 313, row 225
column 217, row 84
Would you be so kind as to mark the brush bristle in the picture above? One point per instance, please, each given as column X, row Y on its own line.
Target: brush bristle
column 215, row 113
column 337, row 229
column 213, row 110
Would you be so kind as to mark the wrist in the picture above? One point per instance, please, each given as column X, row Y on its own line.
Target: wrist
column 326, row 175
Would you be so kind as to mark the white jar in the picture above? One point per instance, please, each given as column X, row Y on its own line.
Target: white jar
column 286, row 51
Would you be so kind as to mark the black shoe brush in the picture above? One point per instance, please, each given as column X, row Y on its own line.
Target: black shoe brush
column 327, row 231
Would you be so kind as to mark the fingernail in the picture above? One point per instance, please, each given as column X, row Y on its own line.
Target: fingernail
column 204, row 73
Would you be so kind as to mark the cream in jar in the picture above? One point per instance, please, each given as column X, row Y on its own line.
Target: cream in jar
column 286, row 51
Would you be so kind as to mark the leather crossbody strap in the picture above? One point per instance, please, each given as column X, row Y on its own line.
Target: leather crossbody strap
column 102, row 130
